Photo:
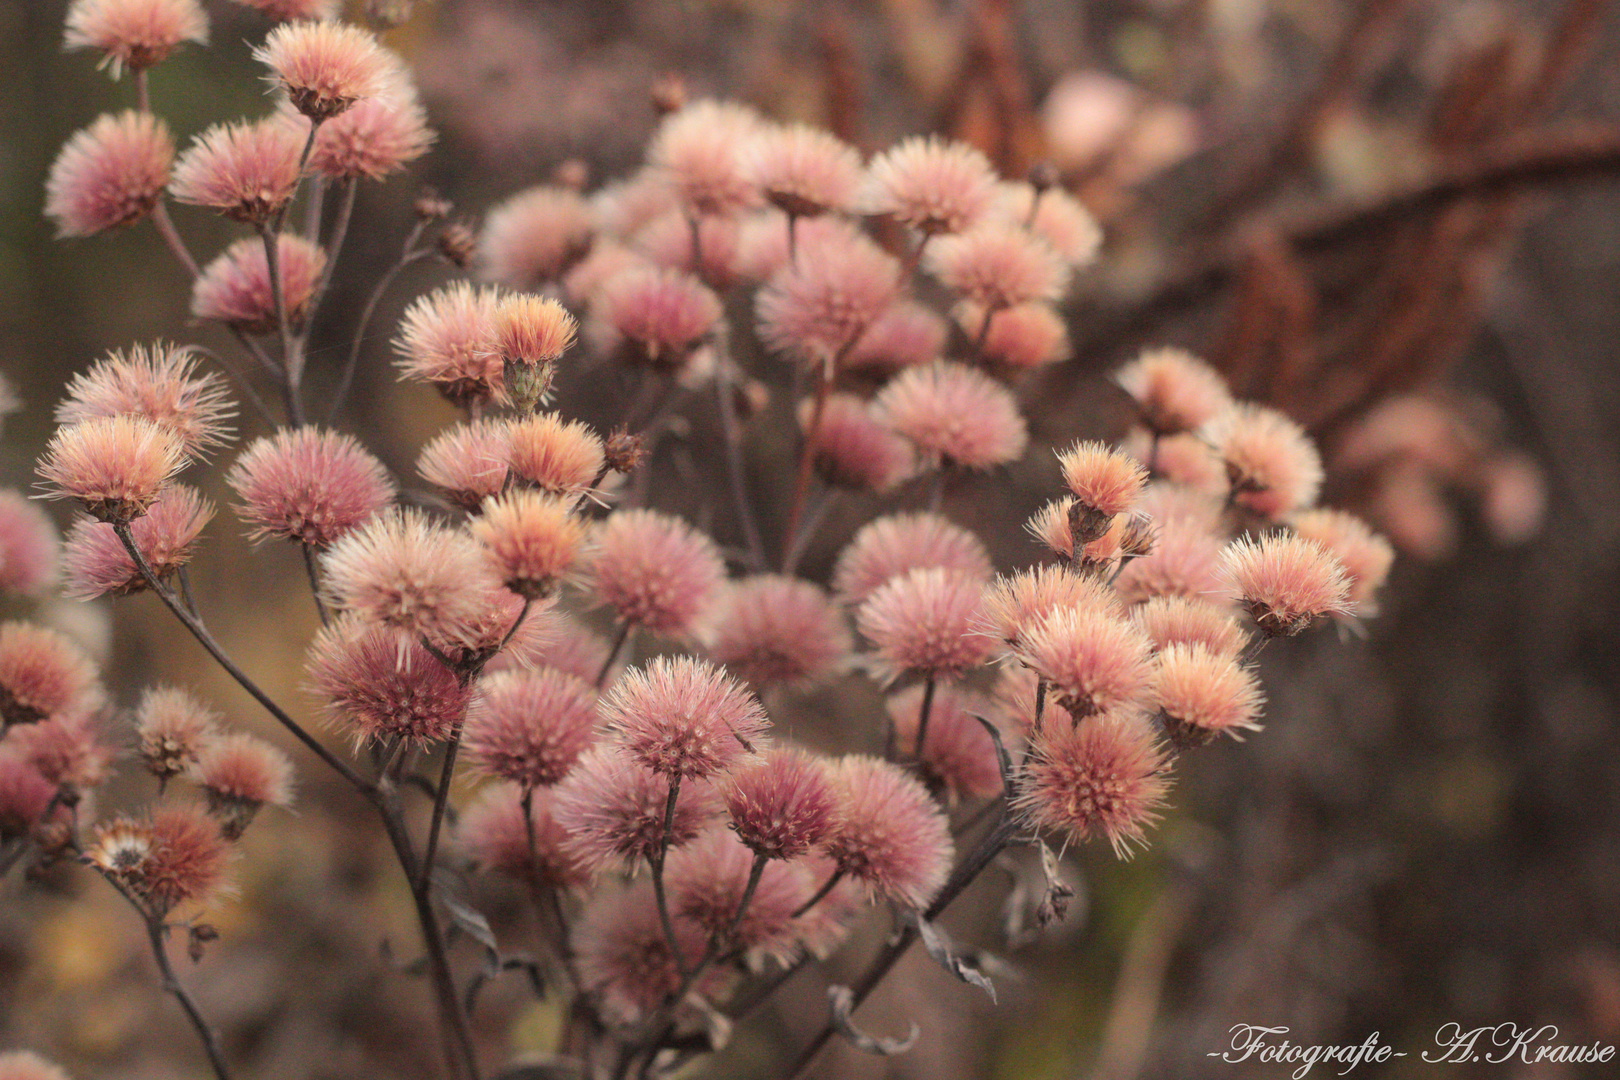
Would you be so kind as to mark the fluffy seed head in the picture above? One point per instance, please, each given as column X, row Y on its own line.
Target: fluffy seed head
column 904, row 335
column 772, row 630
column 1104, row 776
column 43, row 674
column 176, row 856
column 115, row 466
column 997, row 265
column 1185, row 620
column 816, row 307
column 958, row 753
column 888, row 833
column 1271, row 464
column 533, row 540
column 1095, row 660
column 444, row 339
column 623, row 955
column 96, row 562
column 493, row 832
column 853, row 449
column 563, row 457
column 29, row 549
column 781, row 802
column 325, row 67
column 530, row 727
column 468, row 462
column 897, row 543
column 1366, row 556
column 67, row 750
column 247, row 171
column 1185, row 561
column 376, row 136
column 25, row 795
column 531, row 330
column 534, row 237
column 926, row 622
column 959, row 415
column 612, row 809
column 655, row 570
column 378, row 684
column 653, row 316
column 1016, row 603
column 23, row 1065
column 684, row 717
column 932, row 185
column 160, row 383
column 702, row 151
column 172, row 728
column 707, row 880
column 235, row 288
column 1105, row 481
column 1174, row 390
column 804, row 171
column 308, row 485
column 241, row 773
column 109, row 175
column 134, row 33
column 1019, row 338
column 1286, row 581
column 1203, row 694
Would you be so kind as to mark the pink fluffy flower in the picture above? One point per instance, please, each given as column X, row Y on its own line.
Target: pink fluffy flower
column 247, row 171
column 773, row 630
column 853, row 449
column 240, row 774
column 1096, row 661
column 655, row 570
column 623, row 954
column 1017, row 603
column 468, row 462
column 23, row 1065
column 1104, row 776
column 891, row 545
column 294, row 9
column 534, row 237
column 324, row 67
column 826, row 924
column 493, row 832
column 816, row 307
column 235, row 288
column 172, row 728
column 903, row 335
column 109, row 175
column 926, row 622
column 134, row 33
column 701, row 150
column 43, row 674
column 888, row 833
column 997, row 266
column 684, row 718
column 1185, row 561
column 1185, row 620
column 160, row 383
column 1285, row 581
column 1017, row 338
column 707, row 880
column 1272, row 464
column 67, row 750
column 377, row 684
column 176, row 856
column 444, row 339
column 1174, row 390
column 1202, row 694
column 95, row 562
column 308, row 485
column 1103, row 479
column 653, row 316
column 29, row 549
column 804, row 171
column 958, row 753
column 1056, row 217
column 115, row 466
column 530, row 727
column 932, row 185
column 612, row 808
column 781, row 803
column 1367, row 557
column 376, row 136
column 533, row 540
column 25, row 795
column 563, row 457
column 960, row 416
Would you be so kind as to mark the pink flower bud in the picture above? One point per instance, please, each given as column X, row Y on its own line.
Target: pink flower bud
column 308, row 485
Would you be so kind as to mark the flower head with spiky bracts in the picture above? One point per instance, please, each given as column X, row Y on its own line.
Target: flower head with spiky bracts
column 134, row 34
column 613, row 809
column 530, row 727
column 925, row 622
column 114, row 466
column 1096, row 660
column 1105, row 776
column 376, row 683
column 493, row 832
column 1271, row 464
column 781, row 803
column 176, row 856
column 308, row 485
column 109, row 175
column 1174, row 391
column 1286, row 582
column 160, row 383
column 324, row 67
column 955, row 414
column 96, row 563
column 888, row 833
column 776, row 630
column 235, row 287
column 655, row 571
column 241, row 773
column 247, row 171
column 891, row 545
column 172, row 728
column 444, row 339
column 684, row 717
column 933, row 185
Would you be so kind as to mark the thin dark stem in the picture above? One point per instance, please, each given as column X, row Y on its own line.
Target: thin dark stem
column 922, row 716
column 731, row 429
column 820, row 894
column 441, row 799
column 370, row 309
column 807, row 458
column 271, row 238
column 659, row 855
column 613, row 654
column 185, row 591
column 171, row 237
column 205, row 1033
column 340, row 232
column 1041, row 688
column 983, row 335
column 807, row 533
column 315, row 583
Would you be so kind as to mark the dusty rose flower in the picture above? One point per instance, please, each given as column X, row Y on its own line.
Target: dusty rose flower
column 903, row 335
column 684, row 718
column 468, row 462
column 1095, row 660
column 925, row 621
column 109, row 175
column 444, row 339
column 1050, row 526
column 1202, row 694
column 43, row 674
column 1185, row 620
column 804, row 171
column 1105, row 481
column 774, row 630
column 134, row 33
column 25, row 795
column 95, row 561
column 1185, row 561
column 608, row 259
column 29, row 549
column 374, row 137
column 22, row 1065
column 325, row 67
column 563, row 457
column 247, row 171
column 959, row 415
column 1056, row 217
column 240, row 774
column 853, row 449
column 1286, row 582
column 493, row 832
column 888, row 833
column 308, row 485
column 893, row 544
column 958, row 753
column 160, row 383
column 653, row 316
column 1018, row 338
column 1366, row 556
column 1016, row 603
column 1174, row 390
column 612, row 809
column 1104, row 776
column 781, row 803
column 67, row 750
column 1271, row 463
column 533, row 540
column 530, row 727
column 115, row 466
column 376, row 683
column 932, row 185
column 997, row 266
column 235, row 288
column 623, row 955
column 715, row 258
column 816, row 307
column 176, row 856
column 826, row 925
column 707, row 879
column 172, row 728
column 701, row 150
column 535, row 237
column 655, row 570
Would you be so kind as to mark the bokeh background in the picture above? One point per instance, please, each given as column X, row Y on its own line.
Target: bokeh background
column 1428, row 830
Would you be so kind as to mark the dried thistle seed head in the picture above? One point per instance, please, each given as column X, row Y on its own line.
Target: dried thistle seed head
column 96, row 563
column 235, row 288
column 176, row 856
column 529, row 334
column 114, row 466
column 376, row 683
column 955, row 415
column 25, row 795
column 894, row 544
column 29, row 547
column 377, row 137
column 68, row 751
column 535, row 237
column 888, row 833
column 781, row 803
column 134, row 33
column 655, row 571
column 1105, row 776
column 997, row 265
column 562, row 457
column 1055, row 216
column 1096, row 661
column 1174, row 390
column 1186, row 620
column 1202, row 694
column 160, row 383
column 172, row 728
column 925, row 622
column 1272, row 466
column 530, row 726
column 1015, row 339
column 701, row 148
column 533, row 540
column 325, row 67
column 1366, row 556
column 933, row 185
column 240, row 774
column 707, row 880
column 853, row 449
column 1016, row 603
column 44, row 674
column 904, row 334
column 457, row 244
column 653, row 316
column 109, row 175
column 804, row 171
column 247, row 171
column 468, row 462
column 624, row 956
column 1286, row 582
column 308, row 485
column 774, row 630
column 684, row 718
column 818, row 305
column 1104, row 480
column 612, row 809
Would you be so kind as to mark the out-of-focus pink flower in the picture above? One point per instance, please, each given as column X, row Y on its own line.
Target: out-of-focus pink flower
column 25, row 795
column 1203, row 694
column 1015, row 697
column 176, row 856
column 1513, row 498
column 612, row 809
column 445, row 339
column 240, row 774
column 235, row 288
column 826, row 924
column 67, row 750
column 655, row 571
column 1092, row 119
column 377, row 683
column 1104, row 776
column 493, row 832
column 295, row 9
column 43, row 674
column 712, row 252
column 853, row 449
column 1366, row 556
column 115, row 466
column 1185, row 620
column 533, row 540
column 1286, row 581
column 933, row 185
column 95, row 562
column 569, row 646
column 172, row 729
column 530, row 727
column 1183, row 458
column 1272, row 464
column 653, row 316
column 29, row 549
column 160, row 383
column 1016, row 603
column 535, row 237
column 896, row 543
column 468, row 462
column 707, row 879
column 376, row 136
column 247, row 171
column 926, row 622
column 325, row 67
column 773, row 630
column 888, row 833
column 608, row 259
column 684, row 717
column 997, row 266
column 781, row 803
column 702, row 152
column 1103, row 479
column 623, row 955
column 109, row 175
column 1095, row 660
column 563, row 457
column 956, row 414
column 308, row 485
column 1019, row 338
column 816, row 307
column 804, row 171
column 958, row 752
column 23, row 1065
column 1174, row 390
column 134, row 33
column 1056, row 217
column 903, row 335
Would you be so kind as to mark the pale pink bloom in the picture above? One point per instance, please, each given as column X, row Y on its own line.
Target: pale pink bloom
column 1019, row 338
column 23, row 1065
column 1105, row 776
column 1185, row 620
column 653, row 316
column 1272, row 464
column 888, row 833
column 904, row 334
column 533, row 540
column 308, row 485
column 1016, row 603
column 241, row 773
column 781, row 803
column 1513, row 498
column 325, row 67
column 67, row 750
column 235, row 288
column 1366, row 556
column 1184, row 459
column 160, row 383
column 25, row 795
column 931, row 184
column 772, row 630
column 762, row 243
column 1174, row 390
column 29, row 549
column 655, row 570
column 172, row 728
column 295, row 9
column 134, row 33
column 1058, row 218
column 493, row 832
column 247, row 171
column 707, row 879
column 176, row 856
column 804, row 171
column 816, row 307
column 378, row 683
column 403, row 570
column 684, row 718
column 624, row 207
column 1103, row 479
column 1202, row 694
column 530, row 330
column 1096, row 661
column 563, row 457
column 623, row 956
column 109, row 175
column 43, row 674
column 568, row 645
column 95, row 562
column 468, row 462
column 1185, row 561
column 894, row 544
column 606, row 261
column 702, row 151
column 612, row 808
column 853, row 449
column 530, row 727
column 715, row 259
column 115, row 466
column 960, row 416
column 925, row 622
column 997, row 266
column 374, row 137
column 1285, row 581
column 958, row 753
column 535, row 237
